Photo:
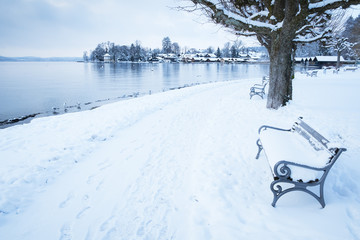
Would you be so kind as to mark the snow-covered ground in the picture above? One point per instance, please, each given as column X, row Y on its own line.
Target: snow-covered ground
column 179, row 165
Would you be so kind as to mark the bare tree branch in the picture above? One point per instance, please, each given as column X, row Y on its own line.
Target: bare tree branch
column 239, row 21
column 320, row 7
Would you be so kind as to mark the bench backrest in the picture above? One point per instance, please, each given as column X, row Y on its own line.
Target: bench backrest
column 265, row 79
column 316, row 140
column 266, row 83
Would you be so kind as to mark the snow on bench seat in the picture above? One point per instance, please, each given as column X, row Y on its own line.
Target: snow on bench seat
column 289, row 146
column 299, row 157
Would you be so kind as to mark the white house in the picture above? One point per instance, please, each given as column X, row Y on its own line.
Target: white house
column 107, row 57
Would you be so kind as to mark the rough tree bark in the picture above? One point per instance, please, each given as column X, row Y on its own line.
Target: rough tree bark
column 281, row 62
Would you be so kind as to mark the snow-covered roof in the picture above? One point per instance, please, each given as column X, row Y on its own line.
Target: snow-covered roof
column 321, row 59
column 329, row 58
column 167, row 55
column 189, row 55
column 210, row 55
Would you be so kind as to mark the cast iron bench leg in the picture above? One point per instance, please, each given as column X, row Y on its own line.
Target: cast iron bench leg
column 278, row 192
column 260, row 147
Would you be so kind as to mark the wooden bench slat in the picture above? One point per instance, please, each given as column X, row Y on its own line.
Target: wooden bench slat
column 321, row 139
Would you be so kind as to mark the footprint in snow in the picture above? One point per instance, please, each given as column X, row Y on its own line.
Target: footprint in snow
column 82, row 213
column 85, row 198
column 90, row 179
column 98, row 187
column 66, row 201
column 106, row 225
column 354, row 215
column 140, row 232
column 65, row 232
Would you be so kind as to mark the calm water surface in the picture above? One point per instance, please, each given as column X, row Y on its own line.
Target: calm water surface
column 37, row 87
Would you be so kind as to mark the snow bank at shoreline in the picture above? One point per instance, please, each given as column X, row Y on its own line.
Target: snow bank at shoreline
column 178, row 165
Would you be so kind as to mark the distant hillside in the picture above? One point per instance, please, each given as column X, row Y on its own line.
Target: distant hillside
column 39, row 59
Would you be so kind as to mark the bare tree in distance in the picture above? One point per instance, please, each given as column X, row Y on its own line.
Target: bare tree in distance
column 338, row 44
column 352, row 32
column 278, row 25
column 166, row 45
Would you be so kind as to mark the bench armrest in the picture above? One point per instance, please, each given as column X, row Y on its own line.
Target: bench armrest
column 282, row 169
column 256, row 88
column 264, row 127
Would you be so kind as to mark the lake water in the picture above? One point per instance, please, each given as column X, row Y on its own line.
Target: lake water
column 38, row 87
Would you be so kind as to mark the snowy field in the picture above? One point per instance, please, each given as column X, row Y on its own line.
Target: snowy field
column 179, row 165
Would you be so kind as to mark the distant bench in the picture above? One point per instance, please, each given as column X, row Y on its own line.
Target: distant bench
column 312, row 73
column 299, row 156
column 259, row 89
column 350, row 68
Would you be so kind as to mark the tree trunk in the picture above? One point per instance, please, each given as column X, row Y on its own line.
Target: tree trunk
column 281, row 60
column 281, row 71
column 338, row 60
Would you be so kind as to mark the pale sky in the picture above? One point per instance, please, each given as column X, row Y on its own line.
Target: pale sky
column 48, row 28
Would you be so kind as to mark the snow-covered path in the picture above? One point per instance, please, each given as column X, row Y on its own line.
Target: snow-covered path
column 159, row 167
column 175, row 165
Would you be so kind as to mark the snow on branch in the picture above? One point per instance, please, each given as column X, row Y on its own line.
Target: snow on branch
column 262, row 13
column 246, row 19
column 246, row 34
column 314, row 37
column 340, row 44
column 322, row 6
column 317, row 26
column 252, row 23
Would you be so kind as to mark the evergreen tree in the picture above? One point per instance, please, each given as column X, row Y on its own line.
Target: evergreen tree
column 226, row 50
column 85, row 57
column 132, row 52
column 234, row 52
column 218, row 53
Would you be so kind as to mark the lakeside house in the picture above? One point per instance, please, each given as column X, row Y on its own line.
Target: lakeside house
column 164, row 57
column 210, row 57
column 320, row 61
column 107, row 57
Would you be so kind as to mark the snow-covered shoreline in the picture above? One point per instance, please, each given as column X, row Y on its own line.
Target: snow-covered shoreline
column 178, row 165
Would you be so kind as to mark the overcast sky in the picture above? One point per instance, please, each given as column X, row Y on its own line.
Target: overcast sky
column 48, row 28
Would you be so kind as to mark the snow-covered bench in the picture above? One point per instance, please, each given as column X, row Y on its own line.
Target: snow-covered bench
column 299, row 158
column 265, row 79
column 259, row 89
column 312, row 73
column 350, row 68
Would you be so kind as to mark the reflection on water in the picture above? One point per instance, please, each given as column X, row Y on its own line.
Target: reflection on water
column 38, row 87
